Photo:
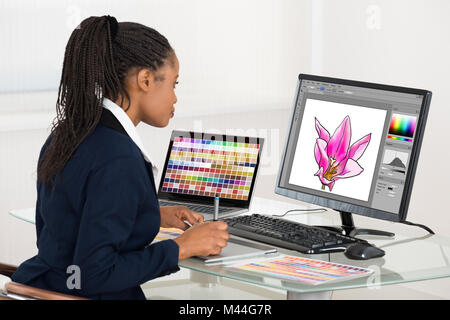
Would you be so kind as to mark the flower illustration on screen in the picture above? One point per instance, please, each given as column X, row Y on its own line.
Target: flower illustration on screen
column 334, row 155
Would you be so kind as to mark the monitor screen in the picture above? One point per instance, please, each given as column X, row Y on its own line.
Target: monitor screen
column 209, row 167
column 353, row 146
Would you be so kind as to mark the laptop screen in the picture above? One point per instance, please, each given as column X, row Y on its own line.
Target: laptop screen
column 200, row 165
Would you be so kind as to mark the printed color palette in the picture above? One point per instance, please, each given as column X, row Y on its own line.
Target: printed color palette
column 167, row 233
column 305, row 270
column 206, row 167
column 402, row 125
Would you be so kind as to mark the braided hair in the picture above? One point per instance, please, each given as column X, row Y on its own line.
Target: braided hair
column 98, row 57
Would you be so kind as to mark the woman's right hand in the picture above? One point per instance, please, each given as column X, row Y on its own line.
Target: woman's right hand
column 207, row 238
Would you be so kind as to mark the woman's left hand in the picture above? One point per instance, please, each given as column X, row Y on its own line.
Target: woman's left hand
column 174, row 217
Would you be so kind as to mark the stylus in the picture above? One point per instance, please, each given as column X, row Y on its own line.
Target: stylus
column 216, row 207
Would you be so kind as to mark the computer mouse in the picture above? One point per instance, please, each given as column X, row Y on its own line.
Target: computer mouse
column 363, row 251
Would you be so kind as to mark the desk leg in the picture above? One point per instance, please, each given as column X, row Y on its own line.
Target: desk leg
column 204, row 280
column 323, row 295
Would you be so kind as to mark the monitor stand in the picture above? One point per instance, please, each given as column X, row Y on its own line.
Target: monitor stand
column 349, row 229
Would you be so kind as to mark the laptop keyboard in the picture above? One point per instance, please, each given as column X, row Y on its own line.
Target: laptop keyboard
column 196, row 207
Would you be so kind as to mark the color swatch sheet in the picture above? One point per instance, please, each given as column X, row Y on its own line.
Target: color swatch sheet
column 310, row 271
column 208, row 167
column 167, row 233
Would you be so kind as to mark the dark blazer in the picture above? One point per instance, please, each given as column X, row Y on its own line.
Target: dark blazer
column 100, row 217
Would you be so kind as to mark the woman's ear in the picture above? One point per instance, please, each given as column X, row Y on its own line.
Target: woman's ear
column 144, row 79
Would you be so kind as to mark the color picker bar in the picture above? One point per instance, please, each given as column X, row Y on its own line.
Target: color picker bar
column 400, row 138
column 208, row 167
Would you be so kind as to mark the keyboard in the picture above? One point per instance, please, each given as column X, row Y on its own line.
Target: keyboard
column 288, row 234
column 196, row 207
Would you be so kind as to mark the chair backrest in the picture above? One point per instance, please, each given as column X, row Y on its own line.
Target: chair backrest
column 7, row 269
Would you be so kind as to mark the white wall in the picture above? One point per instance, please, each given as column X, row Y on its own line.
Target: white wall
column 402, row 43
column 232, row 53
column 236, row 56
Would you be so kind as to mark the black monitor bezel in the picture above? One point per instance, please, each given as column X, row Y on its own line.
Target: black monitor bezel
column 233, row 203
column 343, row 206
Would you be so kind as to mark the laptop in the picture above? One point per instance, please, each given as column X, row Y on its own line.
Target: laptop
column 200, row 165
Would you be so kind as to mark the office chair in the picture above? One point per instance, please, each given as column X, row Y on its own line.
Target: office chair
column 10, row 290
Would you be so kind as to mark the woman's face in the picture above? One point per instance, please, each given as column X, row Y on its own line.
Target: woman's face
column 155, row 97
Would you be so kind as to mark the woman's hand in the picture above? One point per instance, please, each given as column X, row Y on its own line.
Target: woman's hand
column 174, row 217
column 203, row 239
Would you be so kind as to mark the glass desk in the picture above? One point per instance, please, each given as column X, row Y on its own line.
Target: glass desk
column 412, row 255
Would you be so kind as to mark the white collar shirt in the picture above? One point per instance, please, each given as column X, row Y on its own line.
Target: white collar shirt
column 130, row 129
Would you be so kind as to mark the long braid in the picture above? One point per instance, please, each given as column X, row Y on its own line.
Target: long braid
column 95, row 66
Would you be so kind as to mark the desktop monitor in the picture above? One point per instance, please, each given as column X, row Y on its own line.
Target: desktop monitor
column 353, row 146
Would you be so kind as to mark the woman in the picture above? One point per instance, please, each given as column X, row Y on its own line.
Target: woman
column 97, row 208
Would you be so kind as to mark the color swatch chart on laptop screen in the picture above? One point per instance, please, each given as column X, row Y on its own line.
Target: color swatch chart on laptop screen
column 209, row 167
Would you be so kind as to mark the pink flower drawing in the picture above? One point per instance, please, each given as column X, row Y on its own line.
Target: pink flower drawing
column 334, row 155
